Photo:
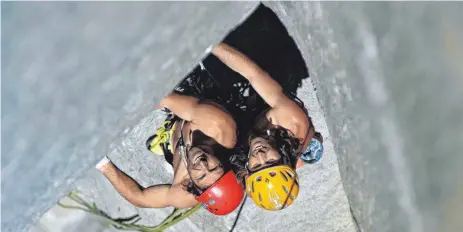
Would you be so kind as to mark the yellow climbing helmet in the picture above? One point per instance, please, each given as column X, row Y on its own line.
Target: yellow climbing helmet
column 273, row 188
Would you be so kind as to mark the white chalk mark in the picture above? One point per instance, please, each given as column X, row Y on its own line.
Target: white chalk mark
column 168, row 63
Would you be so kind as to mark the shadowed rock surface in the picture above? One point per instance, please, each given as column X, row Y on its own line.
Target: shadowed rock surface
column 389, row 80
column 75, row 75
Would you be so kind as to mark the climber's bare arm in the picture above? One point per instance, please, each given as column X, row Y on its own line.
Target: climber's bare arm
column 265, row 86
column 189, row 109
column 211, row 120
column 260, row 80
column 285, row 112
column 157, row 196
column 181, row 105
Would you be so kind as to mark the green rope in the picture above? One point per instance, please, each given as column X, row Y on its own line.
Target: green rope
column 128, row 223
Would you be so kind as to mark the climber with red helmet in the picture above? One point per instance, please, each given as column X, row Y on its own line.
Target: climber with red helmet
column 196, row 139
column 281, row 133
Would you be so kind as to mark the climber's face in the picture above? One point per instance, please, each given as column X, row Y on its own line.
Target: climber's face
column 204, row 168
column 203, row 165
column 262, row 154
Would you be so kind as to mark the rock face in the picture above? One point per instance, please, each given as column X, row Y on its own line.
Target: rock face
column 76, row 75
column 389, row 78
column 79, row 81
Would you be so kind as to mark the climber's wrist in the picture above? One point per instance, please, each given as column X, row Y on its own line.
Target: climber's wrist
column 103, row 164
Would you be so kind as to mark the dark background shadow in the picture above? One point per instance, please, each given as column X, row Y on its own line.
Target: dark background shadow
column 264, row 39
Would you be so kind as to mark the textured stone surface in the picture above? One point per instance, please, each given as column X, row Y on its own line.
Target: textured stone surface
column 389, row 77
column 75, row 75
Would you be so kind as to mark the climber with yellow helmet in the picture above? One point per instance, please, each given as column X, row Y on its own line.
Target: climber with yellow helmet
column 281, row 134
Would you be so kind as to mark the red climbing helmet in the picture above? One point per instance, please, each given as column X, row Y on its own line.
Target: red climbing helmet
column 223, row 196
